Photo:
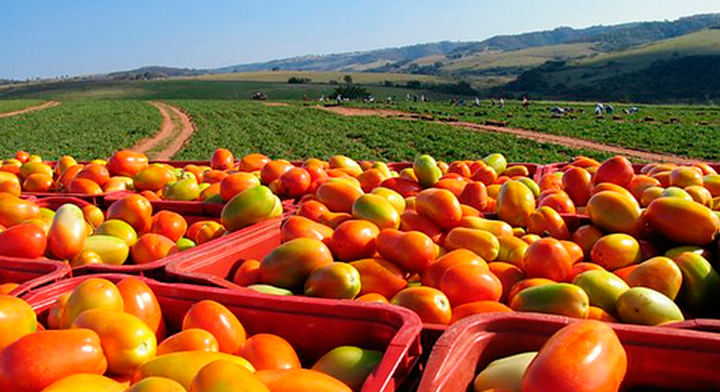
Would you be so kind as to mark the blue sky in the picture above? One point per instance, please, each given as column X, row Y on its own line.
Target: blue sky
column 52, row 38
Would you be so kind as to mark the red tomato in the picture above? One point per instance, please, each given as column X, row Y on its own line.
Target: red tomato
column 169, row 224
column 25, row 240
column 222, row 159
column 218, row 320
column 267, row 351
column 127, row 163
column 39, row 359
column 140, row 301
column 133, row 209
column 585, row 356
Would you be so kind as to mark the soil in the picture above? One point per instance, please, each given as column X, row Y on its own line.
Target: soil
column 175, row 131
column 275, row 104
column 523, row 133
column 46, row 105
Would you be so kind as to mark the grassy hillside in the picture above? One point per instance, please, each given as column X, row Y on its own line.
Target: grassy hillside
column 629, row 74
column 18, row 104
column 319, row 77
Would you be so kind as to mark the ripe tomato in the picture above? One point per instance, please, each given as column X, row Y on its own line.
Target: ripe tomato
column 91, row 294
column 151, row 247
column 169, row 224
column 354, row 240
column 157, row 384
column 297, row 380
column 127, row 163
column 267, row 351
column 39, row 359
column 223, row 375
column 17, row 319
column 85, row 382
column 253, row 162
column 411, row 251
column 430, row 304
column 25, row 240
column 218, row 320
column 235, row 183
column 192, row 339
column 547, row 258
column 14, row 210
column 133, row 209
column 140, row 301
column 222, row 159
column 584, row 356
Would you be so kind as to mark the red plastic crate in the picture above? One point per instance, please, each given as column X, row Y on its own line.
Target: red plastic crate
column 558, row 166
column 31, row 274
column 658, row 357
column 313, row 327
column 699, row 324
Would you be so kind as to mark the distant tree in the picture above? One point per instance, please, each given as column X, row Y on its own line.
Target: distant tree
column 297, row 80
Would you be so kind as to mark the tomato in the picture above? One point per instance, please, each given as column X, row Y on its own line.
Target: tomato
column 554, row 298
column 700, row 282
column 426, row 170
column 508, row 274
column 658, row 273
column 92, row 293
column 299, row 227
column 616, row 170
column 295, row 182
column 515, row 203
column 133, row 209
column 267, row 351
column 253, row 162
column 151, row 247
column 672, row 217
column 475, row 195
column 182, row 367
column 338, row 196
column 576, row 183
column 376, row 209
column 169, row 224
column 586, row 236
column 379, row 276
column 85, row 383
column 30, row 168
column 614, row 212
column 349, row 364
column 546, row 221
column 183, row 190
column 603, row 288
column 157, row 384
column 222, row 159
column 403, row 186
column 336, row 280
column 478, row 307
column 84, row 186
column 17, row 319
column 430, row 304
column 235, row 183
column 126, row 340
column 127, row 163
column 140, row 301
column 250, row 206
column 14, row 210
column 412, row 221
column 218, row 320
column 467, row 282
column 38, row 182
column 112, row 250
column 272, row 170
column 66, row 236
column 354, row 240
column 345, row 163
column 153, row 178
column 615, row 251
column 300, row 380
column 221, row 375
column 371, row 179
column 191, row 339
column 583, row 356
column 288, row 265
column 482, row 242
column 431, row 276
column 207, row 231
column 412, row 251
column 98, row 174
column 24, row 240
column 39, row 359
column 441, row 206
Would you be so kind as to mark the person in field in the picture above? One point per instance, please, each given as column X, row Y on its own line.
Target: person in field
column 599, row 108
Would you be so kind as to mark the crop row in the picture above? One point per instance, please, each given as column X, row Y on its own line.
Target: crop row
column 84, row 130
column 296, row 133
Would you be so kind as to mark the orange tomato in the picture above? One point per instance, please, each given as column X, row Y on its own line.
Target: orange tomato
column 222, row 159
column 235, row 183
column 99, row 174
column 617, row 170
column 335, row 280
column 267, row 351
column 403, row 186
column 615, row 251
column 412, row 221
column 14, row 210
column 475, row 195
column 471, row 308
column 431, row 276
column 157, row 384
column 546, row 221
column 150, row 247
column 214, row 176
column 412, row 251
column 126, row 163
column 295, row 182
column 579, row 268
column 253, row 162
column 583, row 356
column 338, row 196
column 140, row 301
column 300, row 380
column 210, row 230
column 25, row 240
column 169, row 224
column 379, row 276
column 39, row 359
column 547, row 258
column 191, row 339
column 272, row 170
column 524, row 284
column 373, row 297
column 430, row 304
column 153, row 178
column 312, row 209
column 218, row 320
column 248, row 273
column 508, row 274
column 38, row 182
column 354, row 240
column 17, row 319
column 595, row 313
column 371, row 179
column 586, row 236
column 299, row 227
column 223, row 375
column 441, row 206
column 467, row 282
column 289, row 265
column 558, row 201
column 133, row 209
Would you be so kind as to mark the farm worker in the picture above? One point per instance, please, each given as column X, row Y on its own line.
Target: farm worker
column 476, row 101
column 526, row 102
column 609, row 109
column 339, row 99
column 502, row 102
column 599, row 109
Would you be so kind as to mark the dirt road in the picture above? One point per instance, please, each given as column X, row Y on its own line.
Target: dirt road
column 46, row 105
column 176, row 130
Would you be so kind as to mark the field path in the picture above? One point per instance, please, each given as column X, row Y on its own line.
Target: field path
column 175, row 131
column 46, row 105
column 523, row 133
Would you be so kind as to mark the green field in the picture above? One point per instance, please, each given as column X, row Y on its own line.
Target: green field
column 18, row 104
column 84, row 130
column 320, row 77
column 297, row 132
column 189, row 89
column 692, row 131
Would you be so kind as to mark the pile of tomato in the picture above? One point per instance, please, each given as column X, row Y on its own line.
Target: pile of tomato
column 608, row 241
